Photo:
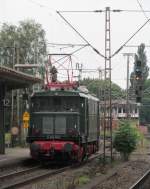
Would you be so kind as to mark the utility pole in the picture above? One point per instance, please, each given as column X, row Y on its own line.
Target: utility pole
column 12, row 98
column 128, row 55
column 79, row 68
column 18, row 100
column 101, row 73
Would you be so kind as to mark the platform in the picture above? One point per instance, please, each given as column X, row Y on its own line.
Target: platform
column 13, row 155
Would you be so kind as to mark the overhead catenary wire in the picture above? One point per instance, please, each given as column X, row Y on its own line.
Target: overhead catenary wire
column 141, row 7
column 64, row 46
column 61, row 64
column 136, row 46
column 115, row 10
column 38, row 45
column 87, row 11
column 69, row 44
column 129, row 39
column 83, row 11
column 38, row 4
column 70, row 53
column 128, row 10
column 80, row 35
column 42, row 6
column 100, row 11
column 82, row 46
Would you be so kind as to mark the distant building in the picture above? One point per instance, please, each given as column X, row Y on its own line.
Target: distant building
column 119, row 109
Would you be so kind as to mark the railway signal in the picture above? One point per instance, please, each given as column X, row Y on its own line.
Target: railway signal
column 138, row 71
column 138, row 81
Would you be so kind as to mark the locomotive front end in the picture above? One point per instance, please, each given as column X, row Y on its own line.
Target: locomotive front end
column 54, row 127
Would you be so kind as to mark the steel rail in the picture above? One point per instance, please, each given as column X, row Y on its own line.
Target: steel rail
column 19, row 172
column 32, row 179
column 141, row 181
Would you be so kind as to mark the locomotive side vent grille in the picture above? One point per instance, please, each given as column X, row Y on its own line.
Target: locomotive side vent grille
column 47, row 125
column 60, row 125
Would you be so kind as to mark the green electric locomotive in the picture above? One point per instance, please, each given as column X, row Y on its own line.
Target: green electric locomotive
column 64, row 124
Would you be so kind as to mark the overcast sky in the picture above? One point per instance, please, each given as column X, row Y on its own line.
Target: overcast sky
column 90, row 25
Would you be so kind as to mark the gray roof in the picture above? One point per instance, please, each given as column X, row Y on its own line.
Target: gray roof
column 14, row 79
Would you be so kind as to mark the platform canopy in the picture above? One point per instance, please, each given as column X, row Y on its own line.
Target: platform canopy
column 16, row 80
column 11, row 79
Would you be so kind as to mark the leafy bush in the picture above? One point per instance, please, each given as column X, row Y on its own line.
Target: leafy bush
column 125, row 139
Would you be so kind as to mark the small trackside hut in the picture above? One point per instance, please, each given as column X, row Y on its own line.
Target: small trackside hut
column 64, row 125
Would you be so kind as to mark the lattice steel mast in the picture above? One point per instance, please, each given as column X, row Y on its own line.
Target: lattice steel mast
column 107, row 91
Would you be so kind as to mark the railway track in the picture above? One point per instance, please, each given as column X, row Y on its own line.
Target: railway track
column 6, row 176
column 31, row 175
column 143, row 182
column 27, row 176
column 17, row 166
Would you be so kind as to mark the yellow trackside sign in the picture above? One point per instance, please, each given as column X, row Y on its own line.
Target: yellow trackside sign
column 25, row 124
column 26, row 116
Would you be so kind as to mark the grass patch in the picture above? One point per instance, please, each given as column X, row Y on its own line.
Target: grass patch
column 84, row 179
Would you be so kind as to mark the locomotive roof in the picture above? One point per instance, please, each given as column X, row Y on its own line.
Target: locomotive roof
column 64, row 93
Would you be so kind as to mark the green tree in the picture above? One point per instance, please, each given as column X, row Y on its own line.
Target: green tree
column 8, row 35
column 125, row 139
column 96, row 87
column 145, row 107
column 140, row 56
column 29, row 38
